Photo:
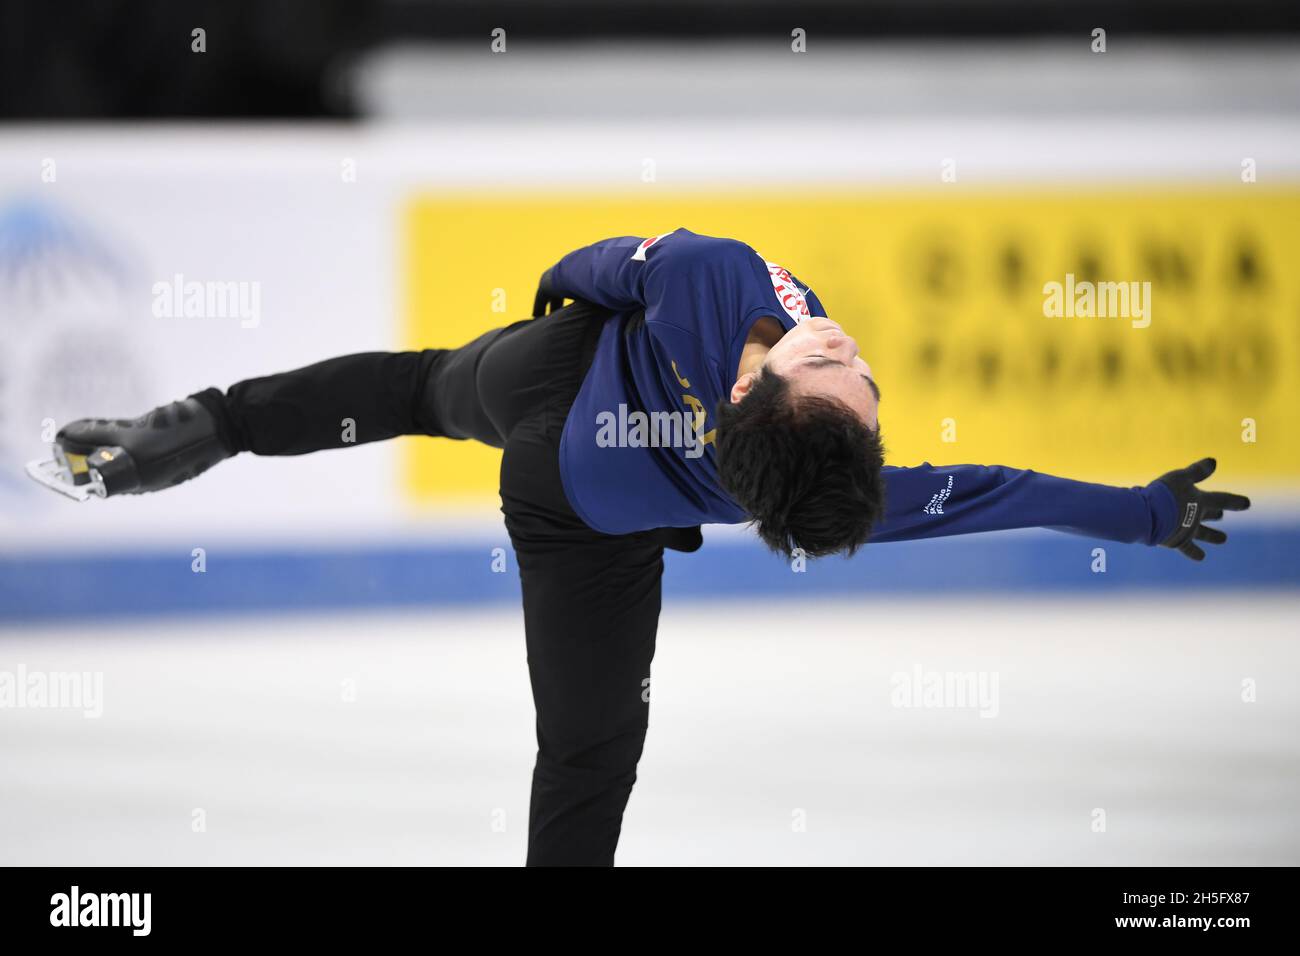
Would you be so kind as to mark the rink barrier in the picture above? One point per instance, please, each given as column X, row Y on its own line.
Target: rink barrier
column 49, row 587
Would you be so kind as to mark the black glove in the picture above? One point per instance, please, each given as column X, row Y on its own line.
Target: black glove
column 1196, row 507
column 548, row 300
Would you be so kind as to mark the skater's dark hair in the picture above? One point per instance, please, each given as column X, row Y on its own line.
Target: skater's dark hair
column 806, row 468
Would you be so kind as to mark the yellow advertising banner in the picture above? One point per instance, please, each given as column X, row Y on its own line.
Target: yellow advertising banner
column 1100, row 333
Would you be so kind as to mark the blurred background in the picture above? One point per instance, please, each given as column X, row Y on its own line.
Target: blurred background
column 321, row 660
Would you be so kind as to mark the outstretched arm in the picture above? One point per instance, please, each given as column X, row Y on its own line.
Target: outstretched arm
column 929, row 501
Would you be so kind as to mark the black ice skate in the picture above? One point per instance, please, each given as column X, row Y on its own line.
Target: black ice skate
column 97, row 456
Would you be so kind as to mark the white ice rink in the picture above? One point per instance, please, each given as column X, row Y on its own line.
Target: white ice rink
column 763, row 716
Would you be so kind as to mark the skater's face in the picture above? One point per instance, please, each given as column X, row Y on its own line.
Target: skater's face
column 817, row 357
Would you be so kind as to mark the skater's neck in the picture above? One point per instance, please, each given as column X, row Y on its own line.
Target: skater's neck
column 765, row 333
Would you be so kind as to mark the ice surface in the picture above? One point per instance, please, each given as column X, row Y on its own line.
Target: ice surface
column 773, row 739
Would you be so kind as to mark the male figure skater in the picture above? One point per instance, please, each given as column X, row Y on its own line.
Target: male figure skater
column 746, row 404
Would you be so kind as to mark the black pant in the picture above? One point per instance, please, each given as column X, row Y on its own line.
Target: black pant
column 591, row 601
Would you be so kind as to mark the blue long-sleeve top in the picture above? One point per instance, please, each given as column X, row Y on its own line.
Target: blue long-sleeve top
column 638, row 449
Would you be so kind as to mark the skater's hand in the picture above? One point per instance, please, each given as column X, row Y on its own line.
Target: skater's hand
column 1196, row 507
column 547, row 300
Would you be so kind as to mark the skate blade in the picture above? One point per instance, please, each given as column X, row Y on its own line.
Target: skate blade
column 60, row 474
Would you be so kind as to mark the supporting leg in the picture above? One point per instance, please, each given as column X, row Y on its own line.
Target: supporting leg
column 591, row 611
